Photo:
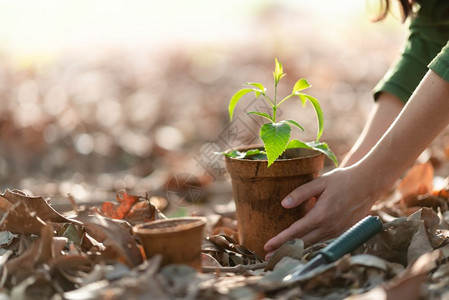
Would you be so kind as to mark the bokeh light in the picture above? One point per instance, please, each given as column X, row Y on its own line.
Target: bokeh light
column 99, row 95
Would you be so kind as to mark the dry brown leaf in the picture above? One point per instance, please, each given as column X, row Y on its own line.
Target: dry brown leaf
column 430, row 218
column 141, row 283
column 293, row 248
column 5, row 205
column 141, row 212
column 19, row 219
column 408, row 286
column 35, row 204
column 393, row 243
column 70, row 262
column 233, row 234
column 431, row 223
column 27, row 214
column 145, row 211
column 115, row 236
column 208, row 260
column 39, row 252
column 46, row 249
column 419, row 244
column 119, row 211
column 415, row 202
column 370, row 261
column 417, row 181
column 35, row 286
column 88, row 242
column 25, row 262
column 134, row 209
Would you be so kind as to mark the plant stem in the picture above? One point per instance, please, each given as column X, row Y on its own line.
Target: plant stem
column 275, row 92
column 267, row 98
column 288, row 97
column 275, row 96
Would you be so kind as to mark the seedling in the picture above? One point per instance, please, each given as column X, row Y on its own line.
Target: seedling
column 275, row 134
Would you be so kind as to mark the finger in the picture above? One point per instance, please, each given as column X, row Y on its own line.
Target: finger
column 296, row 230
column 303, row 193
column 269, row 255
column 318, row 235
column 327, row 229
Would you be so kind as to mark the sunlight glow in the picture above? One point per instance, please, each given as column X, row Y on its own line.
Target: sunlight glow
column 40, row 29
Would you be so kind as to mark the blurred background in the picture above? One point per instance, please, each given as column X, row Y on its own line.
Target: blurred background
column 98, row 95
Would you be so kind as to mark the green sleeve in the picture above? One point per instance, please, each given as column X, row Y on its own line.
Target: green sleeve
column 429, row 32
column 405, row 74
column 440, row 64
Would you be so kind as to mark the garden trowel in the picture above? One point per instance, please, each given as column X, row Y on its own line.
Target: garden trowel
column 346, row 243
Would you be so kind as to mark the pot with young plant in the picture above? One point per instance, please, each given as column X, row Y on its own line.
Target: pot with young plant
column 262, row 176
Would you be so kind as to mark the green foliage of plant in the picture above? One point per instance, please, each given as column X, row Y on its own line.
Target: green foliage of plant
column 276, row 134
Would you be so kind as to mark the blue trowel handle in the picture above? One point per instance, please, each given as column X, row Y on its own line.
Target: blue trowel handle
column 352, row 238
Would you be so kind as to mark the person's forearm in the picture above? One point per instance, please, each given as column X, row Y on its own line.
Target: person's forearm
column 383, row 113
column 422, row 119
column 345, row 195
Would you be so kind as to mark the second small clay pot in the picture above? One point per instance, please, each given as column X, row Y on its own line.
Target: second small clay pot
column 178, row 240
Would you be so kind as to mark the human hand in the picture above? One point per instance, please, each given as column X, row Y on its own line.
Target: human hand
column 344, row 196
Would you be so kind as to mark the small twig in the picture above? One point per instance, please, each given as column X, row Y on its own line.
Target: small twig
column 239, row 269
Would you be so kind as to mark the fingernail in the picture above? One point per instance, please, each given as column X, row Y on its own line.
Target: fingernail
column 269, row 255
column 288, row 201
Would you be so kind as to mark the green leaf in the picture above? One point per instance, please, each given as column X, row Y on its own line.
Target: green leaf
column 278, row 71
column 237, row 96
column 257, row 85
column 318, row 111
column 256, row 154
column 253, row 152
column 324, row 148
column 260, row 156
column 294, row 123
column 72, row 234
column 244, row 154
column 300, row 85
column 261, row 114
column 275, row 137
column 232, row 153
column 297, row 144
column 318, row 146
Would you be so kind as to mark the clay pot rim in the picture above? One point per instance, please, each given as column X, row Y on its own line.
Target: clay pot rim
column 240, row 148
column 195, row 222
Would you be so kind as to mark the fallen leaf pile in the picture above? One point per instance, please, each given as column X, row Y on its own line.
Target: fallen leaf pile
column 91, row 253
column 46, row 251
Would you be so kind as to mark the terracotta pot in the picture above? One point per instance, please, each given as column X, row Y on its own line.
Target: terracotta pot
column 258, row 192
column 178, row 240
